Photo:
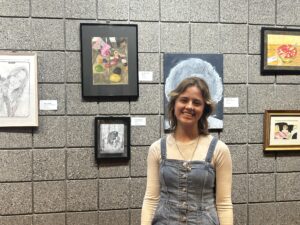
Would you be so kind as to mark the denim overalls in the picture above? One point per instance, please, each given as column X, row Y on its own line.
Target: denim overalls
column 187, row 191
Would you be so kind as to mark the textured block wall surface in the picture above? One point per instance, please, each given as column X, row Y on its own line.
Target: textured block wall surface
column 48, row 175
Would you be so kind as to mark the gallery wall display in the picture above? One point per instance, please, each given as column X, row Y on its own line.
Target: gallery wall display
column 209, row 67
column 280, row 52
column 281, row 130
column 109, row 58
column 112, row 138
column 18, row 89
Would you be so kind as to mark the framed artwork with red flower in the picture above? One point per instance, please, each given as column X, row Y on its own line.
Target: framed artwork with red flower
column 280, row 51
column 109, row 60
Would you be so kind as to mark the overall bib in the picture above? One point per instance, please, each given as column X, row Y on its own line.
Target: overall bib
column 187, row 191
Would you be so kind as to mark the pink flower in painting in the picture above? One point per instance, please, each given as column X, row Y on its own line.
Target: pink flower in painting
column 105, row 50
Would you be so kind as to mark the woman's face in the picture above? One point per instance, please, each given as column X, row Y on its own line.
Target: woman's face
column 189, row 107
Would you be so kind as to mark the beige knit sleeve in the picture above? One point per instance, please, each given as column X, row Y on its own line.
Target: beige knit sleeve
column 152, row 194
column 223, row 165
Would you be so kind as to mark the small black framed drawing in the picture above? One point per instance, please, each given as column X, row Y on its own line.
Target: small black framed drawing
column 109, row 58
column 112, row 138
column 280, row 52
column 18, row 89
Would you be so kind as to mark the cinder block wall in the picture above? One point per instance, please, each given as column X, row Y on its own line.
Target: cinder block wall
column 49, row 176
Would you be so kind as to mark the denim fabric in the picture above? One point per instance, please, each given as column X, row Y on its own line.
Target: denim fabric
column 187, row 194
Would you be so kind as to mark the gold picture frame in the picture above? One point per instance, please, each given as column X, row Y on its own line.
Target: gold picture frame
column 281, row 130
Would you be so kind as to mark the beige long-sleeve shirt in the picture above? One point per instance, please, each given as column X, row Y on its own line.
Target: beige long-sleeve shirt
column 221, row 161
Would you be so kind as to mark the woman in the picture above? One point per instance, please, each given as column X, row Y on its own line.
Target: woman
column 189, row 172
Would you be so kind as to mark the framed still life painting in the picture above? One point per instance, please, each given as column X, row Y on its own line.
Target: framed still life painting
column 18, row 89
column 209, row 67
column 109, row 60
column 281, row 130
column 280, row 52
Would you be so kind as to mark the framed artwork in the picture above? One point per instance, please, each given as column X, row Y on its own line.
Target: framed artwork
column 280, row 52
column 209, row 67
column 112, row 137
column 109, row 58
column 281, row 130
column 18, row 89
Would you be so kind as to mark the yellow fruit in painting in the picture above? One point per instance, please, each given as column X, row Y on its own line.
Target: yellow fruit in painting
column 115, row 78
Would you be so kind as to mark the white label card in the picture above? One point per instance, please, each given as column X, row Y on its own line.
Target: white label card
column 48, row 104
column 138, row 121
column 231, row 102
column 145, row 76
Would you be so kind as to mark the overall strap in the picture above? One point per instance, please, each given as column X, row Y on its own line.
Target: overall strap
column 163, row 148
column 211, row 149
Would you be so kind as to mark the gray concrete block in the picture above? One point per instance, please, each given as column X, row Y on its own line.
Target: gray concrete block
column 137, row 188
column 113, row 193
column 262, row 11
column 240, row 215
column 106, row 217
column 235, row 11
column 232, row 72
column 53, row 92
column 81, row 163
column 47, row 34
column 239, row 188
column 260, row 98
column 72, row 28
column 286, row 13
column 150, row 62
column 138, row 166
column 259, row 161
column 262, row 188
column 236, row 91
column 51, row 67
column 49, row 196
column 254, row 75
column 50, row 8
column 148, row 101
column 144, row 10
column 205, row 38
column 113, row 10
column 115, row 169
column 287, row 186
column 82, row 195
column 15, row 198
column 83, row 218
column 288, row 213
column 207, row 11
column 48, row 164
column 148, row 37
column 80, row 9
column 173, row 10
column 173, row 41
column 16, row 220
column 255, row 128
column 287, row 97
column 15, row 8
column 15, row 165
column 254, row 39
column 146, row 135
column 234, row 130
column 111, row 108
column 76, row 104
column 73, row 67
column 80, row 131
column 288, row 161
column 230, row 42
column 287, row 79
column 18, row 137
column 51, row 132
column 15, row 33
column 239, row 158
column 47, row 219
column 135, row 217
column 263, row 213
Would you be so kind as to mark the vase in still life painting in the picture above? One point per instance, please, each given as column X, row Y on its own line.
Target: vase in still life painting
column 110, row 60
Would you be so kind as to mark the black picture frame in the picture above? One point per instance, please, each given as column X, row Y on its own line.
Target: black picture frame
column 280, row 51
column 112, row 138
column 109, row 59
